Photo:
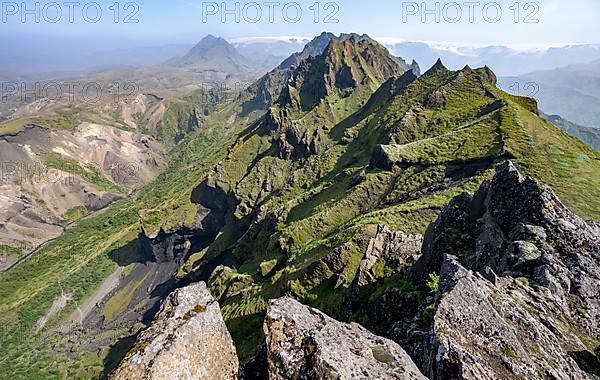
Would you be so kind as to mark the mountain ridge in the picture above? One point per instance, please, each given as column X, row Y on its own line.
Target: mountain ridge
column 509, row 265
column 268, row 89
column 444, row 132
column 289, row 200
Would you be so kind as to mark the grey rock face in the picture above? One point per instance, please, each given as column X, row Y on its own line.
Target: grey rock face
column 518, row 292
column 386, row 246
column 303, row 343
column 503, row 331
column 187, row 340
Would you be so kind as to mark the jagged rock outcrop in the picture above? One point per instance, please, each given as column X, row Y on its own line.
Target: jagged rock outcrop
column 415, row 68
column 346, row 65
column 505, row 330
column 187, row 340
column 165, row 246
column 196, row 121
column 517, row 295
column 170, row 245
column 303, row 343
column 387, row 247
column 515, row 226
column 264, row 92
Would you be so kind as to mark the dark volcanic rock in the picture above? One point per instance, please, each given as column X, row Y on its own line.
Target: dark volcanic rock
column 381, row 159
column 166, row 246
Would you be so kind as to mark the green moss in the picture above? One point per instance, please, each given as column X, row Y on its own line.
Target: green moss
column 138, row 348
column 175, row 124
column 75, row 213
column 196, row 310
column 509, row 352
column 381, row 355
column 433, row 283
column 267, row 267
column 67, row 118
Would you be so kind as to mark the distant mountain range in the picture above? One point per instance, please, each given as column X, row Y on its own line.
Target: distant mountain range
column 590, row 136
column 572, row 91
column 268, row 52
column 504, row 60
column 73, row 62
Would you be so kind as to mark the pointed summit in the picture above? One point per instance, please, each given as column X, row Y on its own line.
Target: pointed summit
column 345, row 65
column 212, row 40
column 213, row 53
column 438, row 66
column 357, row 37
column 415, row 68
column 268, row 89
column 488, row 75
column 207, row 46
column 326, row 89
column 312, row 49
column 210, row 37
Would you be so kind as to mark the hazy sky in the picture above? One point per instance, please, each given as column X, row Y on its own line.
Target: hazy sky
column 541, row 22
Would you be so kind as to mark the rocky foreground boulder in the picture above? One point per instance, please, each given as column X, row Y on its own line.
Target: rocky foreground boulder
column 510, row 278
column 303, row 343
column 187, row 340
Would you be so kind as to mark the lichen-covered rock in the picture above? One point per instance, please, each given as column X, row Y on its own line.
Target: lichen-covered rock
column 518, row 294
column 517, row 227
column 303, row 343
column 187, row 340
column 505, row 330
